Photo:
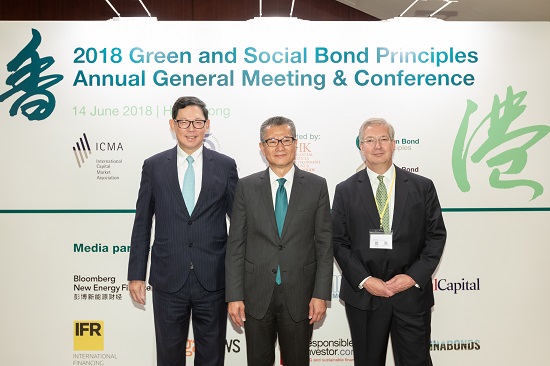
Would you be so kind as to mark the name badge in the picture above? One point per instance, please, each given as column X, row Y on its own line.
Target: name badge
column 380, row 240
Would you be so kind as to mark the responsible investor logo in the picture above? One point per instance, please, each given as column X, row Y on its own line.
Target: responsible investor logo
column 88, row 335
column 27, row 79
column 505, row 149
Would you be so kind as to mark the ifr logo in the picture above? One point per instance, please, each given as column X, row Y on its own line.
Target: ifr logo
column 82, row 150
column 88, row 335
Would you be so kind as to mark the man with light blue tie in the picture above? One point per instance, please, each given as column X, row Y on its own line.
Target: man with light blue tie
column 189, row 191
column 279, row 253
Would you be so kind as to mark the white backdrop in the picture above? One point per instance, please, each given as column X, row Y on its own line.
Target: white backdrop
column 66, row 216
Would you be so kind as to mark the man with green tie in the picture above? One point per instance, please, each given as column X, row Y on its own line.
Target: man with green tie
column 279, row 252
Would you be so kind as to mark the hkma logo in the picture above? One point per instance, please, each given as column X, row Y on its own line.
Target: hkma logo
column 27, row 79
column 82, row 150
column 88, row 335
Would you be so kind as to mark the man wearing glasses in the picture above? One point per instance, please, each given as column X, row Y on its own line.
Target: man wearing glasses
column 388, row 240
column 189, row 191
column 279, row 253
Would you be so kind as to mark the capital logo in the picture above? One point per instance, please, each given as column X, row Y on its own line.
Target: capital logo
column 505, row 149
column 82, row 150
column 455, row 287
column 88, row 335
column 35, row 101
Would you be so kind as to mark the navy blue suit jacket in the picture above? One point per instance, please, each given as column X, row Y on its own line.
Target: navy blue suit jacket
column 181, row 239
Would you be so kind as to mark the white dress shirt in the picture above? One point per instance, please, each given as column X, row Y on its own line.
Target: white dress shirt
column 390, row 187
column 197, row 167
column 289, row 176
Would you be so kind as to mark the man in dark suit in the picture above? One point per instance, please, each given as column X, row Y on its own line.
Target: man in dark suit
column 189, row 191
column 388, row 240
column 279, row 267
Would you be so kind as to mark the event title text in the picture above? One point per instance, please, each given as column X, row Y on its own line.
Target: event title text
column 272, row 67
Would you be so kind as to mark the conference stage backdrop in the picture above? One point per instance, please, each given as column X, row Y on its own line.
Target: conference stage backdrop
column 82, row 104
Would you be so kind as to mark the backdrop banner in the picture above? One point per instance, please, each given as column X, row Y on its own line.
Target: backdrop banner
column 82, row 104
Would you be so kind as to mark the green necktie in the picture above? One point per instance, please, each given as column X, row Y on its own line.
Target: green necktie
column 281, row 205
column 381, row 200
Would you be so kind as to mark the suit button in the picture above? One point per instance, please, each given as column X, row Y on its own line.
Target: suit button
column 189, row 222
column 190, row 245
column 280, row 247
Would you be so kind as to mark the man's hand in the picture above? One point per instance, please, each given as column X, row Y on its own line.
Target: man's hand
column 137, row 291
column 317, row 309
column 400, row 283
column 236, row 312
column 377, row 287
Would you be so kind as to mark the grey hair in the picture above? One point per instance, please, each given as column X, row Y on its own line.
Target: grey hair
column 277, row 121
column 376, row 121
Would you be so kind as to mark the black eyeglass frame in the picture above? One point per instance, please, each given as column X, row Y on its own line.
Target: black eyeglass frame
column 286, row 141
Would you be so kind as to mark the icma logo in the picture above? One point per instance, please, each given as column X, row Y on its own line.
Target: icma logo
column 88, row 335
column 82, row 150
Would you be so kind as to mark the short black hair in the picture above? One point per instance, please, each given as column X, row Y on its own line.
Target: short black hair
column 183, row 102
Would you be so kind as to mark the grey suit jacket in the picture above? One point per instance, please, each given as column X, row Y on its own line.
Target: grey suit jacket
column 303, row 252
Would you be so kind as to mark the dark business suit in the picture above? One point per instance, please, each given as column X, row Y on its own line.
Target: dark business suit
column 418, row 240
column 303, row 252
column 180, row 239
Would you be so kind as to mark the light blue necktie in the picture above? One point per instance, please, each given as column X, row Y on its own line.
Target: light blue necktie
column 281, row 205
column 188, row 189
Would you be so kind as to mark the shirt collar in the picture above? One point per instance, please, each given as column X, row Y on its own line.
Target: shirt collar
column 373, row 177
column 182, row 155
column 289, row 176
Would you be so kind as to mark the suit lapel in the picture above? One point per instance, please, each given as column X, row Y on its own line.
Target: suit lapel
column 364, row 189
column 295, row 195
column 401, row 194
column 208, row 164
column 267, row 199
column 171, row 176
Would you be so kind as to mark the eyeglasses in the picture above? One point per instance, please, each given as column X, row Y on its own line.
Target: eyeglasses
column 185, row 123
column 273, row 142
column 371, row 141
